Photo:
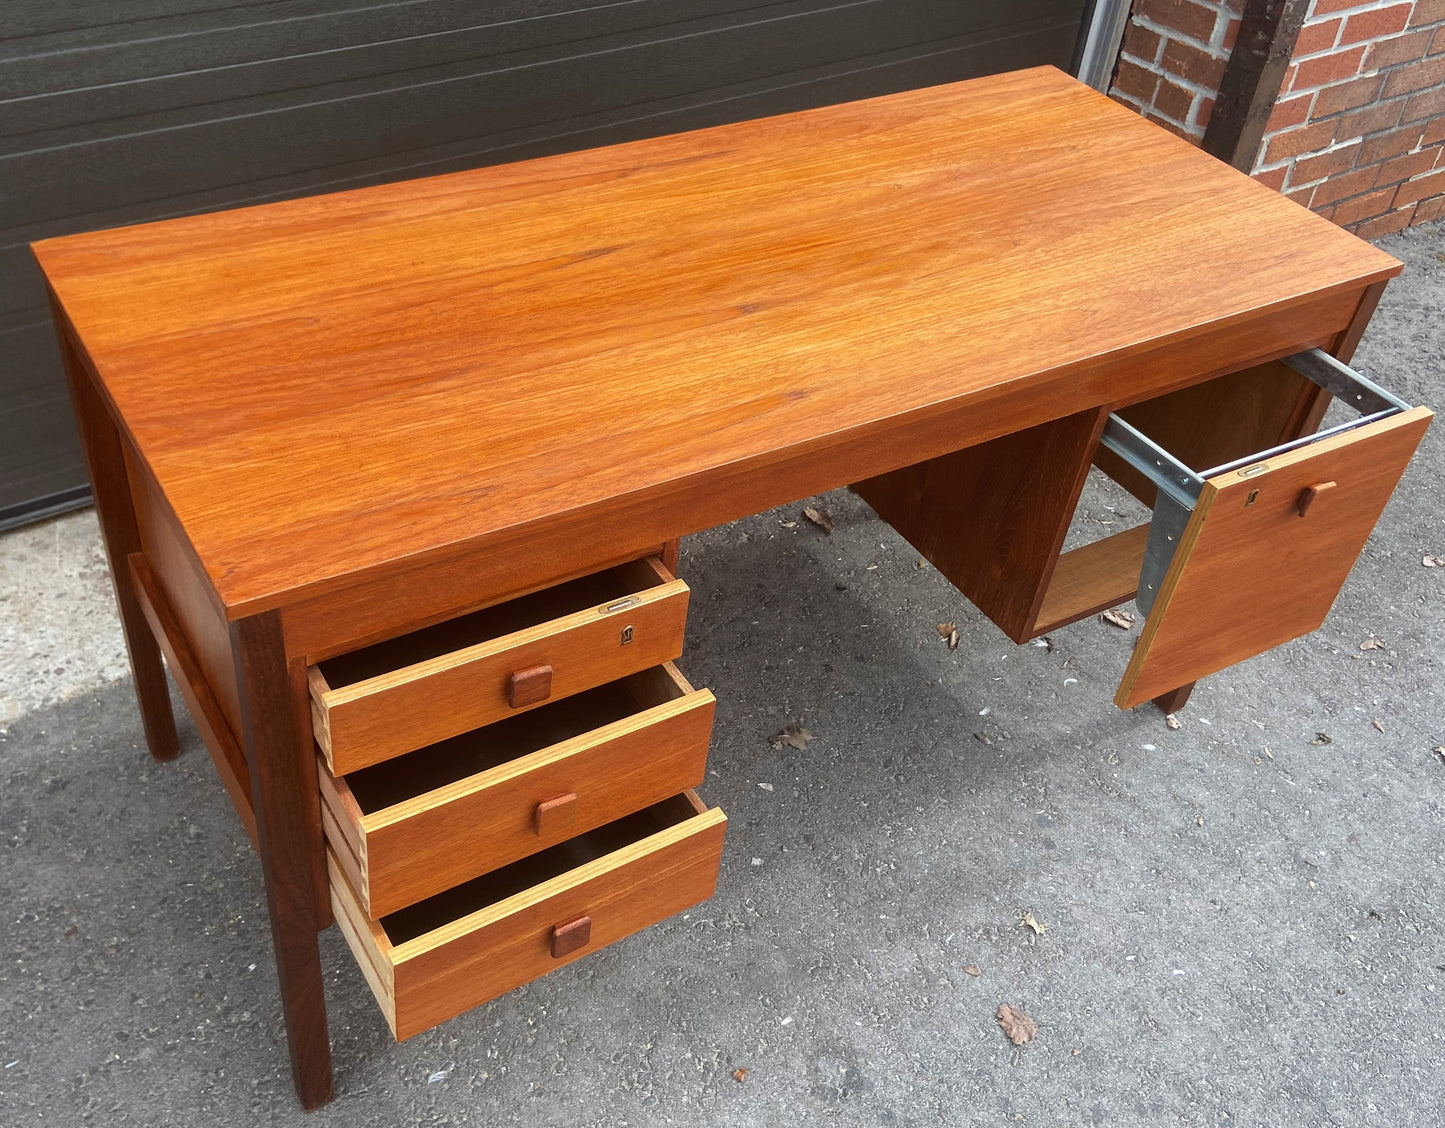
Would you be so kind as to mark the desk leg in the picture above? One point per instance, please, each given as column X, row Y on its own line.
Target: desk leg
column 1175, row 699
column 288, row 832
column 110, row 483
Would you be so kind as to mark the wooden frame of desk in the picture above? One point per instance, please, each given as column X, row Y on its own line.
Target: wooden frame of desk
column 318, row 424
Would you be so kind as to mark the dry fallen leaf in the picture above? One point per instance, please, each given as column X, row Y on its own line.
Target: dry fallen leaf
column 1198, row 820
column 1321, row 738
column 1121, row 619
column 795, row 736
column 819, row 518
column 740, row 1074
column 1171, row 722
column 1372, row 644
column 973, row 970
column 949, row 633
column 1017, row 1026
column 1028, row 920
column 1439, row 750
column 1377, row 726
column 1433, row 561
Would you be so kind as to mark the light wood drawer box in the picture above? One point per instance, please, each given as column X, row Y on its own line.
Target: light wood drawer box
column 418, row 824
column 468, row 945
column 403, row 694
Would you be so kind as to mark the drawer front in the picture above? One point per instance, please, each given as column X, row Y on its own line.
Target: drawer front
column 400, row 710
column 422, row 845
column 466, row 961
column 1258, row 564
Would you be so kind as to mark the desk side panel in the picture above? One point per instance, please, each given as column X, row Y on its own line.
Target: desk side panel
column 183, row 584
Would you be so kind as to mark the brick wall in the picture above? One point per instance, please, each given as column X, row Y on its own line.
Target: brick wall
column 1358, row 131
column 1172, row 58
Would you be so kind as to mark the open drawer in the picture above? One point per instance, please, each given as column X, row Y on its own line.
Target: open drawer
column 418, row 824
column 396, row 696
column 1247, row 555
column 468, row 945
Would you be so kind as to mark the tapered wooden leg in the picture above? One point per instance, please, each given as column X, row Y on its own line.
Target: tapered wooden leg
column 288, row 832
column 114, row 506
column 1175, row 699
column 669, row 554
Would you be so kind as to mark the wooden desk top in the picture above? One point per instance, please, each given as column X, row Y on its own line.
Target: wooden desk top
column 332, row 389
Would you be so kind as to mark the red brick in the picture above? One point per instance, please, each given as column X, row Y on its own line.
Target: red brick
column 1400, row 49
column 1415, row 76
column 1347, row 95
column 1179, row 15
column 1289, row 112
column 1438, row 46
column 1142, row 43
column 1203, row 112
column 1325, row 7
column 1363, row 207
column 1294, row 142
column 1300, row 196
column 1124, row 100
column 1231, row 33
column 1385, row 224
column 1427, row 104
column 1325, row 69
column 1434, row 131
column 1377, row 23
column 1173, row 127
column 1372, row 119
column 1427, row 12
column 1272, row 178
column 1134, row 80
column 1431, row 184
column 1307, row 169
column 1174, row 101
column 1314, row 38
column 1426, row 210
column 1193, row 64
column 1346, row 184
column 1395, row 143
column 1402, row 168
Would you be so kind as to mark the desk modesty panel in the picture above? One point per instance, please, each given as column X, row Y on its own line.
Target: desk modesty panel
column 394, row 478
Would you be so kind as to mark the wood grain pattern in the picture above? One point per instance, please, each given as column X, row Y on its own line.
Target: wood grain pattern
column 1248, row 576
column 288, row 831
column 993, row 517
column 407, row 708
column 1093, row 578
column 858, row 272
column 482, row 954
column 419, row 845
column 211, row 722
column 105, row 461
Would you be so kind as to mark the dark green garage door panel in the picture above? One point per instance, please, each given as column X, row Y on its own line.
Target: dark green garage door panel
column 117, row 111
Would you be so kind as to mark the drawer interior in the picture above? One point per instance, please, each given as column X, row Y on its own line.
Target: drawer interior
column 425, row 916
column 404, row 777
column 493, row 622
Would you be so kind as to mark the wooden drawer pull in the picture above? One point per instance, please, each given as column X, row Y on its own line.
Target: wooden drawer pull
column 555, row 814
column 1309, row 493
column 571, row 936
column 529, row 686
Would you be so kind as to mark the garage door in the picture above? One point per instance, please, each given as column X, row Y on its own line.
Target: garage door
column 117, row 111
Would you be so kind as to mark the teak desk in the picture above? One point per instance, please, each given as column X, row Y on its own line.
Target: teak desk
column 393, row 478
